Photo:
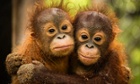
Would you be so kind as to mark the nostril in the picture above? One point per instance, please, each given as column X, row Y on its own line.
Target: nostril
column 89, row 46
column 92, row 46
column 61, row 36
column 86, row 45
column 64, row 36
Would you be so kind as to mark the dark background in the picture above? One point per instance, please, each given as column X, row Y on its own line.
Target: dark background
column 5, row 37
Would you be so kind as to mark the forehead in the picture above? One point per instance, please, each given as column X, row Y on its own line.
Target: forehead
column 52, row 15
column 93, row 21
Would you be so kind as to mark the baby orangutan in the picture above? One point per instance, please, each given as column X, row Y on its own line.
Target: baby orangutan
column 50, row 42
column 100, row 59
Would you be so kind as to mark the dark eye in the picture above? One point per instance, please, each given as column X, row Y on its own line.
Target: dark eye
column 51, row 30
column 64, row 27
column 97, row 38
column 84, row 36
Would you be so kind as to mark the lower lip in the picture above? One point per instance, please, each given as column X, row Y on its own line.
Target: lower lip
column 62, row 47
column 87, row 57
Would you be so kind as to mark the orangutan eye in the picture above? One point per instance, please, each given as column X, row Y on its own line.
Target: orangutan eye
column 51, row 30
column 97, row 39
column 84, row 36
column 64, row 27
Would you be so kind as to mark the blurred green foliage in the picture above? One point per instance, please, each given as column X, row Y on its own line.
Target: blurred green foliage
column 128, row 13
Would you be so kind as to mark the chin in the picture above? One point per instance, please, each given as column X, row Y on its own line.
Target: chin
column 88, row 61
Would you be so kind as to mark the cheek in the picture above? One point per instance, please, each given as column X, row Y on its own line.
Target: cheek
column 62, row 46
column 103, row 48
column 88, row 56
column 44, row 43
